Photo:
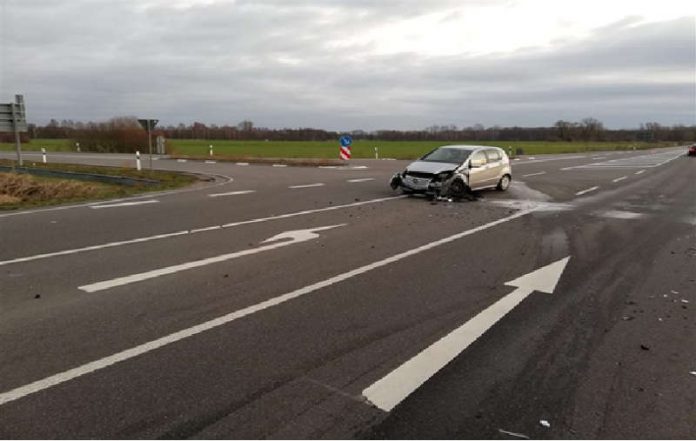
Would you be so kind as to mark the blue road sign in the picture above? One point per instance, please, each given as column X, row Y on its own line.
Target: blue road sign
column 345, row 140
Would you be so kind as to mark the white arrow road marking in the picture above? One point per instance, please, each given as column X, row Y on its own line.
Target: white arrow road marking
column 124, row 204
column 102, row 363
column 296, row 236
column 231, row 193
column 400, row 383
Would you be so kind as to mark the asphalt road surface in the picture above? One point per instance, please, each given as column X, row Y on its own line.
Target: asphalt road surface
column 298, row 302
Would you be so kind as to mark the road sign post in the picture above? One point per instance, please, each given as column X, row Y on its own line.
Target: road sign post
column 13, row 119
column 344, row 151
column 149, row 124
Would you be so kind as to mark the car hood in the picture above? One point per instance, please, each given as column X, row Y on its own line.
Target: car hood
column 431, row 167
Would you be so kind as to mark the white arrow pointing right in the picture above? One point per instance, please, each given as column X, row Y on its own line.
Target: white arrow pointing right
column 404, row 380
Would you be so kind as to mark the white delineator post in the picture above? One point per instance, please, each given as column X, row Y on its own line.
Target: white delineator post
column 77, row 145
column 376, row 153
column 138, row 166
column 43, row 154
column 210, row 150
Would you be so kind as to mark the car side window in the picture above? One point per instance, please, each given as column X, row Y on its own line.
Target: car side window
column 479, row 157
column 493, row 155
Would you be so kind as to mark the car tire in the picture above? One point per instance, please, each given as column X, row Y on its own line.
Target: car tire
column 457, row 189
column 504, row 183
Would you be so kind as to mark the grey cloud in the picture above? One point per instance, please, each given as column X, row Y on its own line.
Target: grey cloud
column 221, row 63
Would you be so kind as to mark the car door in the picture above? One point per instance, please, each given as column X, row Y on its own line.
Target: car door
column 477, row 170
column 494, row 167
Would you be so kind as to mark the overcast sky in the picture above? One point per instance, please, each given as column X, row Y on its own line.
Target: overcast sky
column 352, row 64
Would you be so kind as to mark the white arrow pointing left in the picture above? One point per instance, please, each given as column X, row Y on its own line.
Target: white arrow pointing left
column 401, row 382
column 277, row 241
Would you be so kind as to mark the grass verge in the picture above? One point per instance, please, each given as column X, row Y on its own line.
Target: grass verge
column 24, row 191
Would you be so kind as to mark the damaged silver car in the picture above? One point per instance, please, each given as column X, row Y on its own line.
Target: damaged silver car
column 455, row 171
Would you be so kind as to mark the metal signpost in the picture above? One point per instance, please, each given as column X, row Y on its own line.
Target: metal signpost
column 149, row 124
column 13, row 118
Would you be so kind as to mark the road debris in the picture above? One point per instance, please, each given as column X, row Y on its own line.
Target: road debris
column 515, row 434
column 645, row 348
column 544, row 423
column 684, row 301
column 693, row 373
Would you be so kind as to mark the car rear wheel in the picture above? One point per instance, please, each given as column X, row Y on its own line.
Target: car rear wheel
column 504, row 183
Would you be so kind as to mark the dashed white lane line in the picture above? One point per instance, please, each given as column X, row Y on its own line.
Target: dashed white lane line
column 243, row 163
column 181, row 160
column 580, row 193
column 639, row 172
column 361, row 180
column 124, row 204
column 619, row 179
column 318, row 184
column 62, row 377
column 534, row 174
column 211, row 162
column 280, row 165
column 231, row 193
column 193, row 231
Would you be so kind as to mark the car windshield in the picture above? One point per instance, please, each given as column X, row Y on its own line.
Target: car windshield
column 444, row 154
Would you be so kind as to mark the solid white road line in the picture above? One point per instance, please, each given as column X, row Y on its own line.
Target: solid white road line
column 361, row 180
column 534, row 174
column 231, row 193
column 640, row 172
column 124, row 204
column 318, row 184
column 198, row 230
column 580, row 193
column 96, row 365
column 404, row 380
column 619, row 179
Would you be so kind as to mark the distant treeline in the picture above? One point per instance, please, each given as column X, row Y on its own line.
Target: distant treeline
column 124, row 134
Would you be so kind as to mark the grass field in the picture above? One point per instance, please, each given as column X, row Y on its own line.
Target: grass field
column 329, row 149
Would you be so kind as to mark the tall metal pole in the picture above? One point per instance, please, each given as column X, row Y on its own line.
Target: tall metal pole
column 15, row 125
column 149, row 141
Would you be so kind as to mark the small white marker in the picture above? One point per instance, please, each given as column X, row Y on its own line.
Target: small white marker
column 231, row 193
column 318, row 184
column 620, row 179
column 580, row 193
column 361, row 180
column 544, row 423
